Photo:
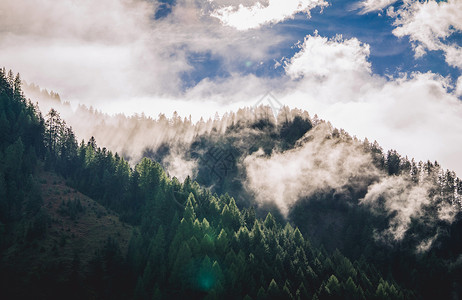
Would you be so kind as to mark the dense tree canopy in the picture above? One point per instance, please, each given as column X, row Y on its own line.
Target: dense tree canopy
column 188, row 242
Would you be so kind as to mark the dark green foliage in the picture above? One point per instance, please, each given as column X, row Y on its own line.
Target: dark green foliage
column 21, row 143
column 71, row 208
column 392, row 162
column 37, row 226
column 290, row 132
column 188, row 243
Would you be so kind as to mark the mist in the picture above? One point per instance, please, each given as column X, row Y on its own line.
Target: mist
column 327, row 160
column 401, row 200
column 319, row 163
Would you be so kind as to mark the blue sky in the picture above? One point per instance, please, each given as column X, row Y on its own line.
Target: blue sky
column 390, row 55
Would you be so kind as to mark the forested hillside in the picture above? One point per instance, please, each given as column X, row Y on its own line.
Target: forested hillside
column 353, row 223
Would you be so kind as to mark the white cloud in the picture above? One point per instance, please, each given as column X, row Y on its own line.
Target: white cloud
column 274, row 11
column 416, row 114
column 458, row 91
column 368, row 6
column 319, row 164
column 453, row 55
column 332, row 71
column 426, row 244
column 87, row 50
column 400, row 199
column 320, row 57
column 428, row 24
column 113, row 50
column 176, row 165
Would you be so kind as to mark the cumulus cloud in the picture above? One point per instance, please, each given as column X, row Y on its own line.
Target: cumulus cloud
column 459, row 87
column 368, row 6
column 417, row 114
column 428, row 24
column 274, row 11
column 319, row 164
column 320, row 57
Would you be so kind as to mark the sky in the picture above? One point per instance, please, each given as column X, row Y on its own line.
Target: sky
column 383, row 69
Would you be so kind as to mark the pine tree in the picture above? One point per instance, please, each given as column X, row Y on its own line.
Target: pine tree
column 189, row 214
column 273, row 291
column 181, row 271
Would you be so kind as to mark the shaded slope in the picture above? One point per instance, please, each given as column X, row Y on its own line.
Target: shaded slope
column 72, row 234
